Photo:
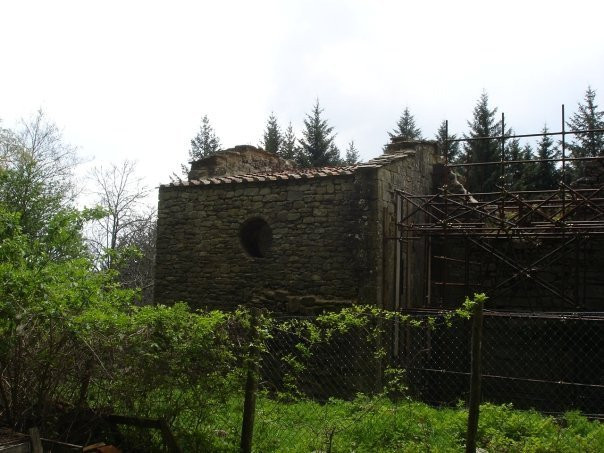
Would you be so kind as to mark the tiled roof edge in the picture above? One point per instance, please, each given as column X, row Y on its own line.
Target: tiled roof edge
column 307, row 173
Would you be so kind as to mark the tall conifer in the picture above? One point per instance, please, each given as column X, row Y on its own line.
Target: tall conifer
column 483, row 178
column 406, row 128
column 448, row 149
column 288, row 148
column 272, row 139
column 205, row 143
column 544, row 174
column 317, row 142
column 588, row 144
column 352, row 154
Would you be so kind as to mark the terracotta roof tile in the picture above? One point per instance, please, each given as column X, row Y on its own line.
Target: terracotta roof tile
column 294, row 174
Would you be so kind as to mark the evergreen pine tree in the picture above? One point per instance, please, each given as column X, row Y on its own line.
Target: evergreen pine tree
column 406, row 128
column 288, row 149
column 517, row 174
column 452, row 148
column 588, row 144
column 272, row 139
column 352, row 154
column 483, row 178
column 544, row 175
column 205, row 143
column 317, row 144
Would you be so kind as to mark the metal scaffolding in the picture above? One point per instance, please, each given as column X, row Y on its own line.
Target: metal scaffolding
column 527, row 249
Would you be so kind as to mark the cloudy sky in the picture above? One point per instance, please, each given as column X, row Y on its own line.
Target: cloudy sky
column 132, row 79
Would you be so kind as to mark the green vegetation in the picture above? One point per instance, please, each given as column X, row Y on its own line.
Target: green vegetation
column 448, row 149
column 74, row 340
column 205, row 143
column 381, row 425
column 405, row 127
column 272, row 141
column 317, row 145
column 482, row 178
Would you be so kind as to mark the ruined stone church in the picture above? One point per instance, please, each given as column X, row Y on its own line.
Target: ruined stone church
column 248, row 227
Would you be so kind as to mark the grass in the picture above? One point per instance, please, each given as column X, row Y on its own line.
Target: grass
column 380, row 425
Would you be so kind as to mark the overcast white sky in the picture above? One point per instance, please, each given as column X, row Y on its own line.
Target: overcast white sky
column 132, row 79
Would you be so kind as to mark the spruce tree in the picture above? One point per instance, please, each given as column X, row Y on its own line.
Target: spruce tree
column 288, row 149
column 587, row 144
column 544, row 175
column 483, row 178
column 517, row 174
column 352, row 154
column 205, row 143
column 272, row 139
column 449, row 149
column 406, row 128
column 317, row 144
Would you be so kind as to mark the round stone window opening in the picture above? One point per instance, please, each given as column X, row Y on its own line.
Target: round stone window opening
column 256, row 237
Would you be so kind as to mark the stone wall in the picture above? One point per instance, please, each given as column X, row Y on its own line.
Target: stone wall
column 243, row 159
column 299, row 241
column 316, row 227
column 410, row 168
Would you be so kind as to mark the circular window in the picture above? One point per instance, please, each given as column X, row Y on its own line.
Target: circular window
column 256, row 237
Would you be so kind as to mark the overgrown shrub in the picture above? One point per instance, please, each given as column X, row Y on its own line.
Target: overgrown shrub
column 72, row 339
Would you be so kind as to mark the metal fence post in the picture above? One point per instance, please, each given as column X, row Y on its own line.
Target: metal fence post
column 251, row 386
column 475, row 378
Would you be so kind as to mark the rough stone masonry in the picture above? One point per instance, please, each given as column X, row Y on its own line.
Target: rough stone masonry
column 247, row 227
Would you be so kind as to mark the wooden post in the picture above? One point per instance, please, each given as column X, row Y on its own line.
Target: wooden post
column 36, row 442
column 251, row 387
column 475, row 378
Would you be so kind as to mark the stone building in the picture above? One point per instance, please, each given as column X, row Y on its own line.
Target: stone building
column 249, row 227
column 400, row 232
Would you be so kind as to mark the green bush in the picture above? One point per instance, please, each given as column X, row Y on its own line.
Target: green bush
column 71, row 338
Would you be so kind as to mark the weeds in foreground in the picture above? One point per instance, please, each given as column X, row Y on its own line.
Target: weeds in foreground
column 381, row 425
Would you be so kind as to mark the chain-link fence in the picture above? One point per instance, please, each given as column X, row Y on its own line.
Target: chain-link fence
column 313, row 374
column 311, row 383
column 550, row 362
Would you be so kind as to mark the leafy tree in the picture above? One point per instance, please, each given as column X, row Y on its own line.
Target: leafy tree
column 288, row 149
column 448, row 149
column 205, row 143
column 406, row 128
column 544, row 174
column 352, row 154
column 317, row 144
column 482, row 178
column 36, row 175
column 121, row 194
column 272, row 140
column 8, row 142
column 136, row 260
column 588, row 117
column 66, row 328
